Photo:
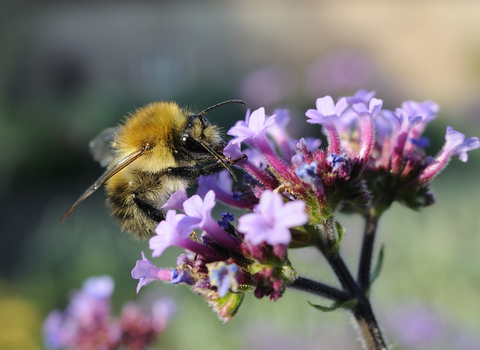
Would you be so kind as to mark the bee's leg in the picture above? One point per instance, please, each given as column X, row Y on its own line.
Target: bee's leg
column 192, row 173
column 153, row 213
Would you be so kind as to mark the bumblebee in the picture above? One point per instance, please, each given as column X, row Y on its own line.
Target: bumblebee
column 158, row 150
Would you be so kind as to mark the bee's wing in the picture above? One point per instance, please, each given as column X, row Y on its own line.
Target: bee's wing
column 106, row 175
column 101, row 146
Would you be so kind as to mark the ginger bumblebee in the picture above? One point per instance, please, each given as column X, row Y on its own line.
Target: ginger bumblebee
column 158, row 150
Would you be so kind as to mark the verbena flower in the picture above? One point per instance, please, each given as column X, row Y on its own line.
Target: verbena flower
column 87, row 322
column 291, row 189
column 417, row 326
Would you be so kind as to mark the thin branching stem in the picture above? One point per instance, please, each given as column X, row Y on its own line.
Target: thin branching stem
column 320, row 289
column 362, row 311
column 365, row 263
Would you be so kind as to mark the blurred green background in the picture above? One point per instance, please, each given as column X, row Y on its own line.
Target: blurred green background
column 69, row 69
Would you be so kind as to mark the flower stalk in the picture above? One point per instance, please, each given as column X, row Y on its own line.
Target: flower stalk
column 366, row 252
column 362, row 310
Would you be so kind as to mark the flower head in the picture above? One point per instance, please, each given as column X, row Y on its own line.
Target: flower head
column 139, row 329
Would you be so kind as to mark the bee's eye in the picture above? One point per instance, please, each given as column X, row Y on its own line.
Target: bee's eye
column 192, row 145
column 192, row 118
column 205, row 122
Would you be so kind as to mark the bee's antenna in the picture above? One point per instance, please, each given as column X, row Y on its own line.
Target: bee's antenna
column 217, row 156
column 219, row 105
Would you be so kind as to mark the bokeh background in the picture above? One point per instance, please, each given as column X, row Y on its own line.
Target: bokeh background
column 69, row 69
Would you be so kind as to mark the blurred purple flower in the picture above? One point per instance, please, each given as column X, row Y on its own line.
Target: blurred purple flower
column 140, row 329
column 87, row 323
column 361, row 96
column 338, row 72
column 267, row 86
column 416, row 326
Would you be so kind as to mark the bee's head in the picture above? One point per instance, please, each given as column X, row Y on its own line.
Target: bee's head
column 200, row 138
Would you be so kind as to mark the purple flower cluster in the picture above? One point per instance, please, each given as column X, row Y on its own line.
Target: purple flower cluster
column 291, row 188
column 224, row 262
column 87, row 323
column 398, row 169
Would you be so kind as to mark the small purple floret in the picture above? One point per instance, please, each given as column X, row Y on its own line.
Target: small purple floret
column 167, row 233
column 457, row 145
column 271, row 220
column 146, row 272
column 326, row 110
column 176, row 200
column 256, row 126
